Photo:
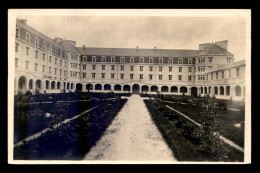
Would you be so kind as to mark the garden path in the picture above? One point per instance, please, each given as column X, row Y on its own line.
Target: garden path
column 132, row 136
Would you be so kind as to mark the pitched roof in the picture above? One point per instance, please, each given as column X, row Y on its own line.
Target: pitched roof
column 36, row 33
column 227, row 66
column 213, row 49
column 137, row 52
column 68, row 46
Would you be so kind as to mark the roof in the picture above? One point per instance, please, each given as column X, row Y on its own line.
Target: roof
column 137, row 52
column 36, row 33
column 228, row 66
column 68, row 46
column 213, row 49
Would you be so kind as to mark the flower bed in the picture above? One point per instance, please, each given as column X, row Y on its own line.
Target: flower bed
column 72, row 140
column 187, row 141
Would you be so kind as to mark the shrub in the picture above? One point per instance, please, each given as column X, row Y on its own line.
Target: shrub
column 178, row 124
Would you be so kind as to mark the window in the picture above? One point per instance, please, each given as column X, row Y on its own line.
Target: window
column 84, row 75
column 103, row 67
column 60, row 62
column 112, row 75
column 36, row 42
column 160, row 60
column 103, row 59
column 103, row 75
column 27, row 50
column 16, row 62
column 122, row 67
column 122, row 59
column 93, row 75
column 180, row 69
column 43, row 56
column 170, row 61
column 131, row 76
column 229, row 60
column 50, row 59
column 112, row 67
column 189, row 77
column 141, row 76
column 50, row 48
column 141, row 60
column 211, row 76
column 150, row 77
column 50, row 70
column 93, row 67
column 216, row 75
column 141, row 68
column 199, row 60
column 131, row 68
column 60, row 72
column 16, row 47
column 151, row 68
column 180, row 61
column 112, row 59
column 160, row 77
column 170, row 77
column 229, row 73
column 93, row 59
column 43, row 68
column 65, row 72
column 27, row 65
column 65, row 64
column 160, row 68
column 237, row 72
column 189, row 61
column 55, row 70
column 210, row 59
column 36, row 54
column 122, row 76
column 190, row 69
column 84, row 66
column 150, row 60
column 131, row 59
column 56, row 61
column 27, row 37
column 170, row 69
column 84, row 58
column 17, row 33
column 223, row 74
column 180, row 77
column 35, row 66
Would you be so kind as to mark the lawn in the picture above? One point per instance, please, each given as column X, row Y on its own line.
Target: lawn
column 72, row 140
column 178, row 132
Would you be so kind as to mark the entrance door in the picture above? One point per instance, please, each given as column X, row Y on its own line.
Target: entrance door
column 136, row 89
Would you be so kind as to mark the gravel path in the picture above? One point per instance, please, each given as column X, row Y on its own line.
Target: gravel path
column 132, row 136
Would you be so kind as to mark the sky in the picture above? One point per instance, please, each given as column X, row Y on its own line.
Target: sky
column 164, row 32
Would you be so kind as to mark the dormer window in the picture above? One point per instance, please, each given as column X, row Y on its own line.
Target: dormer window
column 43, row 45
column 50, row 48
column 180, row 61
column 113, row 59
column 141, row 60
column 150, row 60
column 170, row 61
column 93, row 58
column 36, row 42
column 103, row 59
column 27, row 37
column 160, row 60
column 131, row 59
column 17, row 33
column 189, row 61
column 122, row 59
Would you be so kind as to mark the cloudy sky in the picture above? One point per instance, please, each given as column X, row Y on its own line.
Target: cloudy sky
column 164, row 32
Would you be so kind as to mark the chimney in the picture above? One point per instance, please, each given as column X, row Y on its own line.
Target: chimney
column 84, row 47
column 136, row 47
column 202, row 46
column 58, row 40
column 223, row 44
column 154, row 48
column 24, row 21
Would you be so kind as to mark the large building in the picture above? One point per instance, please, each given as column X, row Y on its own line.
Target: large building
column 55, row 65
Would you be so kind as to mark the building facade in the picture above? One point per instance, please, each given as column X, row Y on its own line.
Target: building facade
column 48, row 65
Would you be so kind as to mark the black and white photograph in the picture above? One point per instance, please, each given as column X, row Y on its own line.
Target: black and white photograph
column 130, row 86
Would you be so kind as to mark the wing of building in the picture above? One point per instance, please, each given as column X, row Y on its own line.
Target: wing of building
column 48, row 65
